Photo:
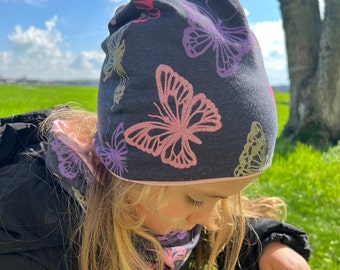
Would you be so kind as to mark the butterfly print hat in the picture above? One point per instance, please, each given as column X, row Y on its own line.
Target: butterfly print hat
column 183, row 95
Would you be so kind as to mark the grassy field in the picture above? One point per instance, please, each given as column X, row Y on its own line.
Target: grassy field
column 23, row 98
column 307, row 179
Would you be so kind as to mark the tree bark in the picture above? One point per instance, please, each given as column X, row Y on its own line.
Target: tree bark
column 302, row 32
column 328, row 73
column 313, row 49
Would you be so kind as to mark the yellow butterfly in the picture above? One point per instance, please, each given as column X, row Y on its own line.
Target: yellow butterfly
column 253, row 157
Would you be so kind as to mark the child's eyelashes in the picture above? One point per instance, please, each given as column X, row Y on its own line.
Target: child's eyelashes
column 193, row 202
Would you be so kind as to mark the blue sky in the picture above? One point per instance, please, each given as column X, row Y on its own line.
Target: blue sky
column 60, row 39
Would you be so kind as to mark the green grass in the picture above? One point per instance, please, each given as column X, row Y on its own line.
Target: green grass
column 307, row 179
column 23, row 98
column 309, row 182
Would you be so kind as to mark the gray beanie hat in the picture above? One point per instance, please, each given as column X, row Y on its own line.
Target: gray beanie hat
column 183, row 95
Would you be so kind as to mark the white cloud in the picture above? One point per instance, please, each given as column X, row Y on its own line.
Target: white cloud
column 271, row 38
column 5, row 60
column 39, row 54
column 37, row 41
column 88, row 60
column 246, row 11
column 5, row 57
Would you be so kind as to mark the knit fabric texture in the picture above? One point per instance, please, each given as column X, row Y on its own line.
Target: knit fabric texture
column 183, row 95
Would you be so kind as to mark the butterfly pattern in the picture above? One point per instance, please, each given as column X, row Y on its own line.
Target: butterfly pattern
column 253, row 157
column 79, row 197
column 174, row 257
column 177, row 247
column 113, row 154
column 178, row 235
column 230, row 43
column 149, row 11
column 70, row 164
column 116, row 50
column 181, row 115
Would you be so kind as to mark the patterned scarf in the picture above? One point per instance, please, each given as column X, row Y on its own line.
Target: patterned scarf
column 177, row 247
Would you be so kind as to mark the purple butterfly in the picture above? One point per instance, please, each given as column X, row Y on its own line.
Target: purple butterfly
column 230, row 43
column 70, row 164
column 178, row 234
column 113, row 154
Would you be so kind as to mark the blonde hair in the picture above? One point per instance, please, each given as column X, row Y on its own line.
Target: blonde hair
column 109, row 232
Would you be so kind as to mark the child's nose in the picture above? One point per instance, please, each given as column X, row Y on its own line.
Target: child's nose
column 202, row 217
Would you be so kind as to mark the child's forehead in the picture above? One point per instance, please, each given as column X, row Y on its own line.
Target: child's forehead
column 222, row 189
column 219, row 189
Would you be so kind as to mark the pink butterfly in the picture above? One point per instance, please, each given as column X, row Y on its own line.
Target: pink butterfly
column 181, row 115
column 173, row 255
column 150, row 11
column 230, row 43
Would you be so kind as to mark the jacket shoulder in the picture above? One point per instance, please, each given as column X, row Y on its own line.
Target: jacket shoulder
column 19, row 132
column 36, row 215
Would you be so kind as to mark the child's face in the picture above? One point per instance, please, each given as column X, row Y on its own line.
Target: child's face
column 187, row 205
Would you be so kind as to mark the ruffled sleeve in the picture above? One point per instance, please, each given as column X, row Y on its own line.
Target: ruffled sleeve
column 260, row 233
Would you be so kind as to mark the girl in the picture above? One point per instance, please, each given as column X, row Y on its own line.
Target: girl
column 185, row 120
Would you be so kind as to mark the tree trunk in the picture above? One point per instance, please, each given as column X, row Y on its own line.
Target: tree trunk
column 313, row 49
column 328, row 73
column 302, row 26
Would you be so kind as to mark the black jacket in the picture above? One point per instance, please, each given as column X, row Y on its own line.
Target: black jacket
column 35, row 218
